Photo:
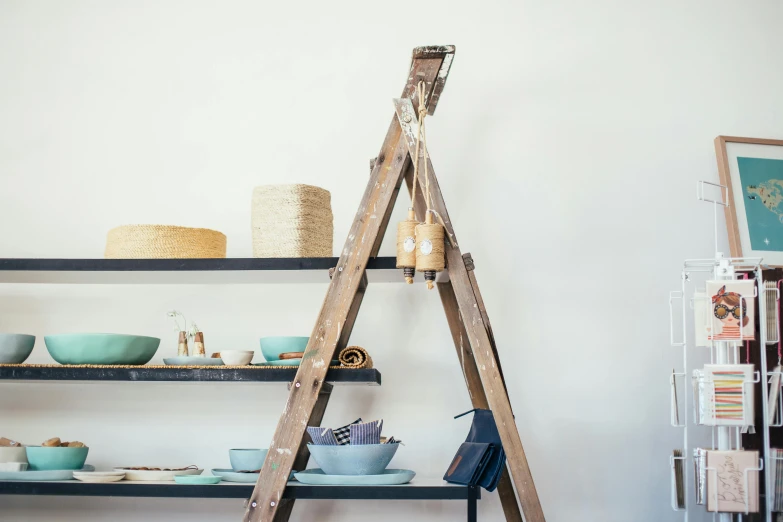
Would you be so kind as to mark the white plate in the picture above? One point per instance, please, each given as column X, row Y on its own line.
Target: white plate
column 99, row 476
column 146, row 475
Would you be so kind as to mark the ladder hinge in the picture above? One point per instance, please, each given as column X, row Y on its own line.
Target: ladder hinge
column 468, row 259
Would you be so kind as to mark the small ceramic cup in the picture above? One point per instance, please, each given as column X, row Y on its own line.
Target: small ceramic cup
column 247, row 459
column 236, row 357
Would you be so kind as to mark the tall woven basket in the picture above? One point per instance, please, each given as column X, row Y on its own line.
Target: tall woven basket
column 292, row 221
column 164, row 242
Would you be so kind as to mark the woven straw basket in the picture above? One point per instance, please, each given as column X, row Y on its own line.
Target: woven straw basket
column 164, row 242
column 292, row 221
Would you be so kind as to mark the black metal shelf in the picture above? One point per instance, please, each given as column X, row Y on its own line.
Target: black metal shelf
column 189, row 265
column 26, row 373
column 173, row 271
column 417, row 490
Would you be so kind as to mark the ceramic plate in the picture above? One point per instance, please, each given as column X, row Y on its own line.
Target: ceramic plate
column 389, row 477
column 99, row 476
column 289, row 362
column 229, row 475
column 192, row 361
column 62, row 474
column 197, row 479
column 152, row 475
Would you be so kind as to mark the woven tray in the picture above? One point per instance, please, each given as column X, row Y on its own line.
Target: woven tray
column 164, row 242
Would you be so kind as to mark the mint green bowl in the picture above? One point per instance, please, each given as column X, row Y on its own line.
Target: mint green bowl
column 272, row 347
column 42, row 458
column 101, row 348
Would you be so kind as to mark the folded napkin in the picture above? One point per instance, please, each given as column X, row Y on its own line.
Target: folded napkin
column 355, row 357
column 329, row 437
column 322, row 436
column 366, row 433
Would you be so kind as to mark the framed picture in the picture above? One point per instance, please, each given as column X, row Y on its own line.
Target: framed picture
column 752, row 169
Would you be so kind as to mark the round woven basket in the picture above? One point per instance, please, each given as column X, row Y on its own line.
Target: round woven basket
column 292, row 221
column 164, row 242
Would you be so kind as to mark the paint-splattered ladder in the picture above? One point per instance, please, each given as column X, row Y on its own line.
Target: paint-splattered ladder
column 464, row 307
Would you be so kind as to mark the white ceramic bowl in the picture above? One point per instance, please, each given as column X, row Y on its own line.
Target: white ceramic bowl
column 236, row 357
column 13, row 455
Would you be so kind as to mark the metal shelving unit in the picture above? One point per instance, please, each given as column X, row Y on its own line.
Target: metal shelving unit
column 203, row 271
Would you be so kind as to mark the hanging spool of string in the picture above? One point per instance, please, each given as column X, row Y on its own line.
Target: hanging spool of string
column 430, row 236
column 430, row 249
column 406, row 246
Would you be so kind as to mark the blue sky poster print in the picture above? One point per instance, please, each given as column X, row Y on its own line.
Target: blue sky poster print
column 762, row 189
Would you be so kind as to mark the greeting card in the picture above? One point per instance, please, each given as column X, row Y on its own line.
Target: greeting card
column 725, row 393
column 732, row 309
column 733, row 481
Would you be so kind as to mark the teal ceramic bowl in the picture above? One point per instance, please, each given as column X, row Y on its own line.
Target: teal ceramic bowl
column 368, row 459
column 272, row 347
column 101, row 348
column 43, row 458
column 247, row 459
column 15, row 348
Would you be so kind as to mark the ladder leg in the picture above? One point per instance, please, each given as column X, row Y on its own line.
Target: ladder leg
column 478, row 398
column 494, row 388
column 477, row 331
column 303, row 455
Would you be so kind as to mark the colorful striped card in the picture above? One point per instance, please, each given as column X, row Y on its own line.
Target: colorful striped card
column 726, row 395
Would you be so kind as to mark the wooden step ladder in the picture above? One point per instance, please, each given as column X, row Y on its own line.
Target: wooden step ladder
column 459, row 292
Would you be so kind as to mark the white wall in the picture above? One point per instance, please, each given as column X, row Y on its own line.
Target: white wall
column 568, row 143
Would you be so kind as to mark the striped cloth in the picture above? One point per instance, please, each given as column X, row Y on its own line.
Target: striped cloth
column 322, row 436
column 330, row 437
column 366, row 433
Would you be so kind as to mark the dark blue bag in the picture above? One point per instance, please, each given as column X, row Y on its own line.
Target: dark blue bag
column 481, row 458
column 469, row 463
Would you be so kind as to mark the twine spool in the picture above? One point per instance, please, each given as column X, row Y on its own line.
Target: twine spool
column 182, row 345
column 430, row 249
column 406, row 246
column 164, row 242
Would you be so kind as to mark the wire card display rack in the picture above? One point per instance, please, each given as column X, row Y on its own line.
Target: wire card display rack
column 704, row 430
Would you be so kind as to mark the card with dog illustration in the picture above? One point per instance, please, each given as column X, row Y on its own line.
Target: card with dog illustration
column 732, row 309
